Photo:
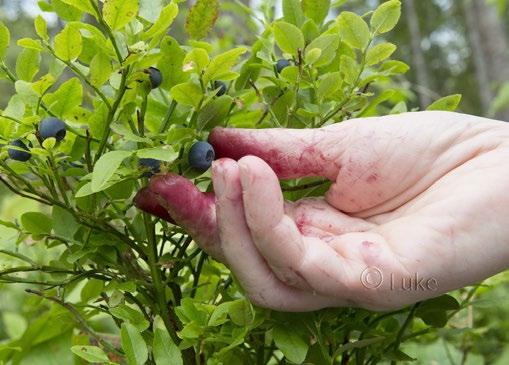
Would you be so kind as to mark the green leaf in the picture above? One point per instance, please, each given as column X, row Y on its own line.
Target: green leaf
column 353, row 30
column 219, row 315
column 43, row 84
column 151, row 9
column 221, row 65
column 358, row 344
column 328, row 85
column 393, row 67
column 5, row 38
column 67, row 225
column 82, row 5
column 133, row 345
column 171, row 63
column 379, row 53
column 312, row 56
column 91, row 290
column 349, row 69
column 26, row 92
column 196, row 60
column 397, row 355
column 241, row 312
column 130, row 315
column 100, row 69
column 187, row 93
column 41, row 27
column 30, row 43
column 316, row 9
column 290, row 343
column 434, row 311
column 68, row 96
column 214, row 113
column 447, row 103
column 292, row 12
column 27, row 64
column 117, row 13
column 128, row 135
column 164, row 349
column 288, row 37
column 165, row 20
column 105, row 167
column 49, row 143
column 91, row 354
column 66, row 11
column 166, row 153
column 386, row 16
column 327, row 44
column 14, row 324
column 443, row 302
column 201, row 18
column 15, row 108
column 68, row 43
column 36, row 223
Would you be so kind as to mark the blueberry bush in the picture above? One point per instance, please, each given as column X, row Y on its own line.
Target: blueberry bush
column 119, row 99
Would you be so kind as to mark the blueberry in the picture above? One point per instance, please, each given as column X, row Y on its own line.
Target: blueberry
column 152, row 166
column 52, row 127
column 18, row 155
column 155, row 76
column 282, row 64
column 201, row 156
column 221, row 86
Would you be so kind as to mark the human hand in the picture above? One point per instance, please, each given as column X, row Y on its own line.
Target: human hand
column 417, row 199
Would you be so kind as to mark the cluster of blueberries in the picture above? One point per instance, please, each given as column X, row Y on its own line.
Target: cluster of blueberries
column 48, row 128
column 200, row 158
column 201, row 154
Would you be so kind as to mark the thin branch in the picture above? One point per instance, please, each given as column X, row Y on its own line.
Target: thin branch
column 79, row 318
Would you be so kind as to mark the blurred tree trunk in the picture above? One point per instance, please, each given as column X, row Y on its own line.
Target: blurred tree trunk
column 494, row 46
column 481, row 68
column 417, row 54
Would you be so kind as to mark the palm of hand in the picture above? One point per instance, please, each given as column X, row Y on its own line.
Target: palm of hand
column 401, row 222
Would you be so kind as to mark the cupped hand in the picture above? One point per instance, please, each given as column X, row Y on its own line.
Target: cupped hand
column 419, row 206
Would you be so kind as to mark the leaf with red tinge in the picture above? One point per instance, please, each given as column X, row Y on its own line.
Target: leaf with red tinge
column 201, row 18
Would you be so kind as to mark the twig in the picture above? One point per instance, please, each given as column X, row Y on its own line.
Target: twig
column 79, row 318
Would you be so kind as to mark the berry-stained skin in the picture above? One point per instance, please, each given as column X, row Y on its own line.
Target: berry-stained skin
column 413, row 194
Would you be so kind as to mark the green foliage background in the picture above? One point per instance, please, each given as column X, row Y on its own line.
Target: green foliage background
column 107, row 284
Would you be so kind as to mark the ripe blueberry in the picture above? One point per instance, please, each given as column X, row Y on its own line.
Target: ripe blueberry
column 152, row 166
column 18, row 155
column 155, row 76
column 221, row 86
column 201, row 155
column 282, row 64
column 52, row 127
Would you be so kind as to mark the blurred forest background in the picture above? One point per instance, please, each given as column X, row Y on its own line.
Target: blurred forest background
column 452, row 46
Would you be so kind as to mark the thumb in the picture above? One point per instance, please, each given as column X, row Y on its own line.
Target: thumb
column 291, row 153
